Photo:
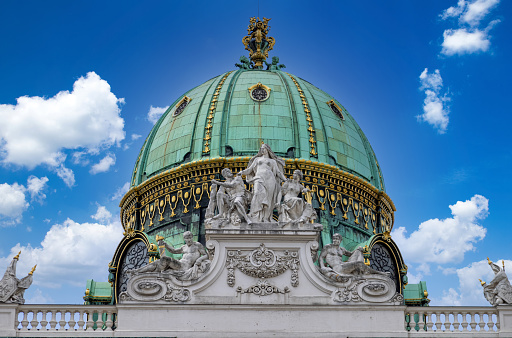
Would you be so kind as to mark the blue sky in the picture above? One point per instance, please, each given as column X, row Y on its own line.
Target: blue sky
column 426, row 81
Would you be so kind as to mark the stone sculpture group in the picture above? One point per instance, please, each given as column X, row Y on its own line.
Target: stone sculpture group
column 245, row 235
column 12, row 289
column 271, row 191
column 499, row 290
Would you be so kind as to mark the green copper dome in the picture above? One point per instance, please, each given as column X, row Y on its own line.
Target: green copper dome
column 233, row 113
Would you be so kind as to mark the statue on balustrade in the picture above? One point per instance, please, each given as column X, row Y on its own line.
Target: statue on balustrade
column 333, row 254
column 192, row 265
column 12, row 289
column 230, row 199
column 265, row 172
column 499, row 290
column 293, row 209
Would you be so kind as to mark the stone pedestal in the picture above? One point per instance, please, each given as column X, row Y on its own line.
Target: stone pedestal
column 7, row 320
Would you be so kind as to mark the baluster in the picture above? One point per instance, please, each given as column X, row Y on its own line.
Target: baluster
column 53, row 320
column 17, row 322
column 109, row 321
column 497, row 323
column 90, row 321
column 439, row 324
column 62, row 321
column 464, row 321
column 44, row 322
column 72, row 321
column 481, row 323
column 24, row 322
column 472, row 323
column 429, row 320
column 34, row 322
column 81, row 321
column 421, row 322
column 407, row 320
column 456, row 322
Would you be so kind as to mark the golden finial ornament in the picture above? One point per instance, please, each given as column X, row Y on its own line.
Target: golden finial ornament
column 257, row 42
column 489, row 261
column 32, row 271
column 17, row 256
column 481, row 282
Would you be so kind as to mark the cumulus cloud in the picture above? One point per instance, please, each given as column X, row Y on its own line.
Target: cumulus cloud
column 462, row 41
column 66, row 174
column 38, row 130
column 121, row 191
column 446, row 240
column 69, row 254
column 102, row 214
column 470, row 12
column 35, row 187
column 468, row 37
column 155, row 113
column 13, row 199
column 136, row 137
column 469, row 291
column 435, row 109
column 12, row 203
column 104, row 164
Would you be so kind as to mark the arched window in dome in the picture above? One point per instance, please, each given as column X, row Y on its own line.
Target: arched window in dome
column 336, row 109
column 180, row 107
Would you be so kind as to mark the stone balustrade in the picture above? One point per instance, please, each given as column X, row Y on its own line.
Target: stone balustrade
column 444, row 320
column 93, row 320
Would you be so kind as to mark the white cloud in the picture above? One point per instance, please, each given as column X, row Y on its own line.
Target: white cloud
column 38, row 130
column 13, row 199
column 35, row 187
column 468, row 38
column 470, row 291
column 104, row 164
column 462, row 41
column 435, row 110
column 69, row 254
column 121, row 191
column 37, row 297
column 66, row 175
column 155, row 113
column 12, row 203
column 446, row 240
column 102, row 214
column 470, row 12
column 136, row 137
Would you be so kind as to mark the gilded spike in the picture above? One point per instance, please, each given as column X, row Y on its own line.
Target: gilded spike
column 17, row 256
column 33, row 269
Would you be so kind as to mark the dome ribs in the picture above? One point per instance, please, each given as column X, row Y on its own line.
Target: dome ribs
column 312, row 132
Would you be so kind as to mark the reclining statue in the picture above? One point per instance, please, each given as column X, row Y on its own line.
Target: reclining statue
column 333, row 256
column 499, row 290
column 192, row 265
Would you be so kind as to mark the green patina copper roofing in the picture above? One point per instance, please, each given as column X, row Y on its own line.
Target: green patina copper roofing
column 240, row 124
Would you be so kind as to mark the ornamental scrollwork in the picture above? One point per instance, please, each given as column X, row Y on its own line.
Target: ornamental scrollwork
column 262, row 263
column 263, row 288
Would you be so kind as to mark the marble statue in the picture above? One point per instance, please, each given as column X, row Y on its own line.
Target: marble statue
column 12, row 289
column 499, row 290
column 265, row 172
column 293, row 209
column 231, row 199
column 333, row 256
column 192, row 265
